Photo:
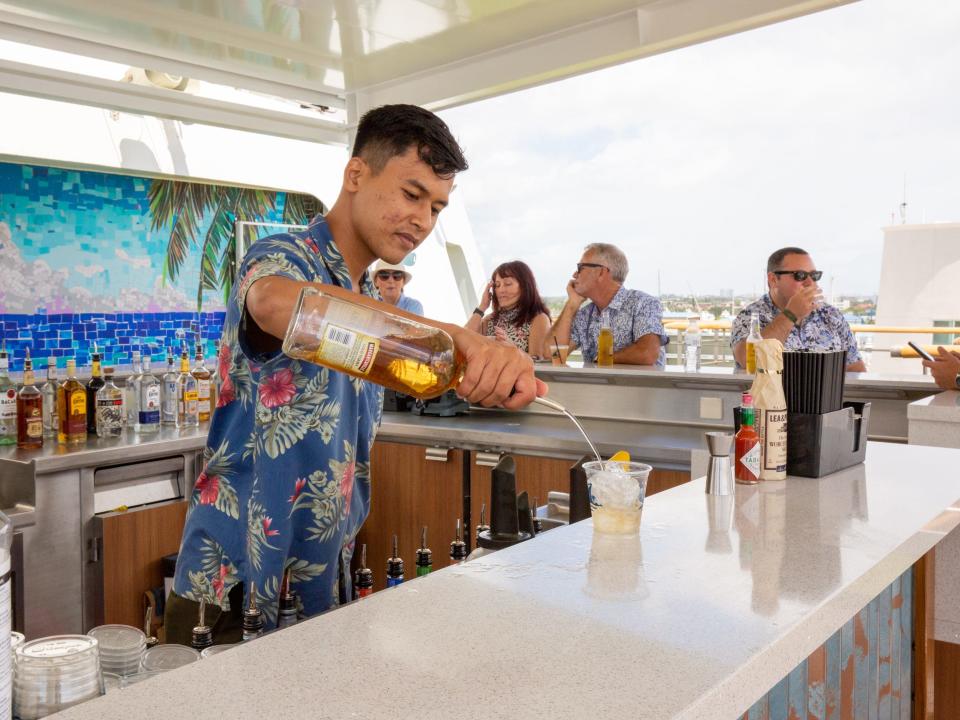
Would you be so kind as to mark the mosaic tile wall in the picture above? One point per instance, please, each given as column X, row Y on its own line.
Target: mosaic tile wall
column 117, row 260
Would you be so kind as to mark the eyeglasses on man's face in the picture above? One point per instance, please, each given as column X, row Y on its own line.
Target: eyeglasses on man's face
column 801, row 275
column 390, row 274
column 581, row 266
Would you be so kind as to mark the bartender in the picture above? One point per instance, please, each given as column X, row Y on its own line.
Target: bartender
column 792, row 311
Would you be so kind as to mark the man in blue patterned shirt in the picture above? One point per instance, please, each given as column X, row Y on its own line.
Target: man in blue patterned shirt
column 635, row 317
column 793, row 312
column 286, row 480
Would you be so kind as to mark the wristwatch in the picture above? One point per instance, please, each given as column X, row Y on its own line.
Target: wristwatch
column 477, row 311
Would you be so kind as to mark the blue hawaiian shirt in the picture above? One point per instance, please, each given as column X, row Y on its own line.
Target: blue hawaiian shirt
column 823, row 329
column 286, row 479
column 632, row 314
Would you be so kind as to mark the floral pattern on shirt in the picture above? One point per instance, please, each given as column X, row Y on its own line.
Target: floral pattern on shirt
column 632, row 314
column 286, row 477
column 824, row 329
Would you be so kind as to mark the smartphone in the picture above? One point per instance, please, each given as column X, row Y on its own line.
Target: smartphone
column 920, row 351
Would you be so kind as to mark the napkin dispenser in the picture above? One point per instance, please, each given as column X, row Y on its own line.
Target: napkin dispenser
column 820, row 444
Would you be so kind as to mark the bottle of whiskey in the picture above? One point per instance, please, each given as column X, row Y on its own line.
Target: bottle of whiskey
column 148, row 401
column 96, row 382
column 72, row 408
column 110, row 412
column 8, row 401
column 424, row 555
column 204, row 382
column 51, row 423
column 29, row 410
column 131, row 391
column 370, row 344
column 168, row 393
column 187, row 405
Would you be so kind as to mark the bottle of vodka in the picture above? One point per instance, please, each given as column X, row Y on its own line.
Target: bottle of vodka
column 131, row 391
column 51, row 417
column 148, row 400
column 168, row 393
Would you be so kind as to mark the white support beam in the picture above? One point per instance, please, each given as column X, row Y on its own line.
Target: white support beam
column 648, row 30
column 125, row 97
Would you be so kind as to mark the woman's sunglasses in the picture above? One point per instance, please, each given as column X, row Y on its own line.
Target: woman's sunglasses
column 801, row 275
column 388, row 274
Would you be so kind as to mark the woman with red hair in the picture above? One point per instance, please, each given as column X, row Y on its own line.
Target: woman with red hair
column 519, row 313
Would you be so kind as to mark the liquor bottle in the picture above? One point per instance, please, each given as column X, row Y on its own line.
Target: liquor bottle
column 458, row 548
column 216, row 376
column 203, row 377
column 535, row 519
column 747, row 452
column 605, row 342
column 424, row 555
column 72, row 408
column 394, row 567
column 51, row 423
column 287, row 607
column 371, row 344
column 201, row 637
column 252, row 617
column 29, row 410
column 482, row 525
column 8, row 401
column 131, row 391
column 752, row 339
column 187, row 410
column 168, row 393
column 96, row 382
column 110, row 413
column 148, row 401
column 363, row 578
column 691, row 345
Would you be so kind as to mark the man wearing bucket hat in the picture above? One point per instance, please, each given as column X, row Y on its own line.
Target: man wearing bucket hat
column 390, row 280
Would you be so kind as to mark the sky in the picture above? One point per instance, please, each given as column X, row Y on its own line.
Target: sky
column 700, row 162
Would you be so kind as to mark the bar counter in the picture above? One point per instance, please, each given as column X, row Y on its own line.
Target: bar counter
column 715, row 603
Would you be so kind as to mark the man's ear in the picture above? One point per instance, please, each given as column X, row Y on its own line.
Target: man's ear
column 354, row 173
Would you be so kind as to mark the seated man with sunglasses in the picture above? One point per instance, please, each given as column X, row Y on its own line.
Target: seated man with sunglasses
column 390, row 280
column 793, row 312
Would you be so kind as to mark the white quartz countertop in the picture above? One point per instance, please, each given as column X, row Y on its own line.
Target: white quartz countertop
column 714, row 602
column 944, row 407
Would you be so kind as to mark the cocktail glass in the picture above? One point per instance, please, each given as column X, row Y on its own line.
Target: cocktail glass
column 617, row 490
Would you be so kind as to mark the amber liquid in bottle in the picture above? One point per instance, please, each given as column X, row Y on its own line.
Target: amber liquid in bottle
column 605, row 347
column 205, row 398
column 29, row 411
column 72, row 408
column 96, row 382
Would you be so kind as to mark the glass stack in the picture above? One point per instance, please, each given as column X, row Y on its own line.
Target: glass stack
column 55, row 673
column 121, row 648
column 168, row 657
column 215, row 650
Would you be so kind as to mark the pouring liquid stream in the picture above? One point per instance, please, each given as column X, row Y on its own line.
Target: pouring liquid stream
column 560, row 408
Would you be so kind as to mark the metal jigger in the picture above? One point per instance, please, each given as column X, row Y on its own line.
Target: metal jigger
column 719, row 472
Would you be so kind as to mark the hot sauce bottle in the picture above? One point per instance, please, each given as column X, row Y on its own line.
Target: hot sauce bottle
column 747, row 454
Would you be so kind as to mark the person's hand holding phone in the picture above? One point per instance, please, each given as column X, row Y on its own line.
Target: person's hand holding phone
column 945, row 368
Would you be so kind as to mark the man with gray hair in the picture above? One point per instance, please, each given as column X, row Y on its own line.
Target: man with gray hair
column 634, row 316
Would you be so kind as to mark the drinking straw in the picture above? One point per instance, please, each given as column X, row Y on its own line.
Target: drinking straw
column 556, row 344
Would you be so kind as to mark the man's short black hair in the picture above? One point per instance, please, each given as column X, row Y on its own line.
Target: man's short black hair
column 390, row 130
column 775, row 261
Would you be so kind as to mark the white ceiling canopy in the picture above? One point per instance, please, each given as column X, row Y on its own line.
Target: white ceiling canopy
column 355, row 54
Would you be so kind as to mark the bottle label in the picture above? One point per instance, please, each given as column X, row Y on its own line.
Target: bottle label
column 203, row 395
column 773, row 438
column 8, row 405
column 78, row 403
column 151, row 398
column 347, row 350
column 751, row 461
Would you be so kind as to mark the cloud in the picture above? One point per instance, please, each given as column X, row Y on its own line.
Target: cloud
column 137, row 262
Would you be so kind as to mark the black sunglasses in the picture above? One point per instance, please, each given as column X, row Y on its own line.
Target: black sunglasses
column 801, row 275
column 395, row 274
column 581, row 266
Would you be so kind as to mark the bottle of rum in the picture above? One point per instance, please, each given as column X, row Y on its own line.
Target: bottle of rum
column 110, row 412
column 424, row 555
column 747, row 452
column 72, row 408
column 374, row 345
column 752, row 339
column 96, row 382
column 187, row 404
column 204, row 383
column 131, row 390
column 8, row 401
column 148, row 401
column 51, row 423
column 168, row 393
column 29, row 410
column 394, row 567
column 605, row 342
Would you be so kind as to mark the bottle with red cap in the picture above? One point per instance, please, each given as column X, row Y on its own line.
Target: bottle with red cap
column 747, row 453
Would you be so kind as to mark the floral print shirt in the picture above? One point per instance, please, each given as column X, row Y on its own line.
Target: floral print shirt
column 631, row 315
column 823, row 329
column 286, row 479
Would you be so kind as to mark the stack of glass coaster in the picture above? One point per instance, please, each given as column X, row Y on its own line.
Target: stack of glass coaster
column 54, row 673
column 121, row 648
column 168, row 657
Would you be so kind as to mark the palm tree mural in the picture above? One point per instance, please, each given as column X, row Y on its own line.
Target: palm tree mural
column 185, row 207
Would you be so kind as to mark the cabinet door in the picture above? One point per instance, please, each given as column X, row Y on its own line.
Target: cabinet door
column 407, row 492
column 133, row 543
